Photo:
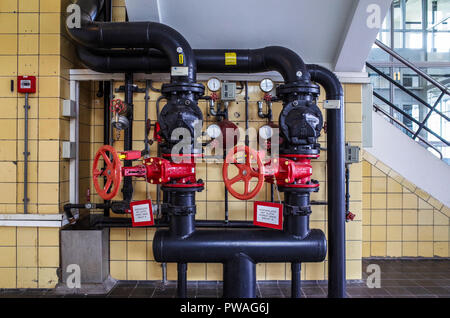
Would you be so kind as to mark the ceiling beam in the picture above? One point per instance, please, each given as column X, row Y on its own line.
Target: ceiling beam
column 361, row 33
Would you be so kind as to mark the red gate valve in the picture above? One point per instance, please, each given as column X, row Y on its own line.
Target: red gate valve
column 286, row 171
column 160, row 171
column 130, row 155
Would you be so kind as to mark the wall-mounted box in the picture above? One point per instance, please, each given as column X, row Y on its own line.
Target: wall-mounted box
column 68, row 150
column 26, row 84
column 68, row 109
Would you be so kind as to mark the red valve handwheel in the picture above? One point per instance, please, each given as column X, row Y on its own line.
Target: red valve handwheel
column 112, row 172
column 246, row 172
column 117, row 106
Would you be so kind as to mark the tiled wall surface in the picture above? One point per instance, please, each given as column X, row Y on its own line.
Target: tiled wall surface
column 32, row 43
column 131, row 249
column 400, row 219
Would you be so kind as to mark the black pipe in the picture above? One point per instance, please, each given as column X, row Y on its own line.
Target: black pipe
column 336, row 180
column 271, row 58
column 147, row 99
column 239, row 277
column 94, row 35
column 106, row 124
column 296, row 269
column 127, row 189
column 220, row 246
column 182, row 280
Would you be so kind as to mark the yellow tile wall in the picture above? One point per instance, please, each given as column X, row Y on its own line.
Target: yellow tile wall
column 400, row 219
column 32, row 43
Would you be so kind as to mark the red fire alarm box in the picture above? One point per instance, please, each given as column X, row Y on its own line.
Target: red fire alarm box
column 26, row 84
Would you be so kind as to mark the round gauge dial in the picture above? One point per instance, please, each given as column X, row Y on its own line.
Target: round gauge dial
column 213, row 131
column 214, row 84
column 265, row 132
column 266, row 85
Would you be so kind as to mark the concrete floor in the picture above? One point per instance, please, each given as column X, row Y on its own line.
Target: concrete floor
column 399, row 279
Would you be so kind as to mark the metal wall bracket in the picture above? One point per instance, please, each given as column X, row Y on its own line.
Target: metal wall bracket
column 68, row 150
column 68, row 109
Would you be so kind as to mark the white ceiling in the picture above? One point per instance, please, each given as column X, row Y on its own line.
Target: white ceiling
column 316, row 29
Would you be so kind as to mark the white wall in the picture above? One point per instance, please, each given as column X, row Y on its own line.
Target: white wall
column 410, row 160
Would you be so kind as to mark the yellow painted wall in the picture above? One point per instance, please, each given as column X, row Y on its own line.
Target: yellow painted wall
column 400, row 219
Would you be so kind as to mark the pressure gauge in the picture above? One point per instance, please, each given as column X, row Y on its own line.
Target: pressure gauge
column 265, row 132
column 213, row 84
column 266, row 85
column 213, row 131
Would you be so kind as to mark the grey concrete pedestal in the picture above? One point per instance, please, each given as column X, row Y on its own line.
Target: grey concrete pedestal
column 88, row 252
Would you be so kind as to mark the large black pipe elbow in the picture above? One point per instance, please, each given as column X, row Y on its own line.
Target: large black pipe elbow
column 96, row 35
column 328, row 80
column 121, row 63
column 271, row 58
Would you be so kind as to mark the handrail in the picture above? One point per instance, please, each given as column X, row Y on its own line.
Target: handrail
column 407, row 91
column 379, row 109
column 438, row 23
column 394, row 54
column 384, row 100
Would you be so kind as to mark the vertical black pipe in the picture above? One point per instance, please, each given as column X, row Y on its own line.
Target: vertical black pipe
column 336, row 202
column 239, row 277
column 246, row 114
column 347, row 189
column 128, row 135
column 226, row 190
column 296, row 269
column 335, row 180
column 182, row 280
column 147, row 98
column 106, row 125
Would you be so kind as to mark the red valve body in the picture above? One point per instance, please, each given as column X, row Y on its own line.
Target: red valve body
column 296, row 171
column 161, row 171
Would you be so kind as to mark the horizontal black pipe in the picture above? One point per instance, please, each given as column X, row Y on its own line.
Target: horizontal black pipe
column 271, row 58
column 93, row 34
column 126, row 222
column 336, row 180
column 220, row 246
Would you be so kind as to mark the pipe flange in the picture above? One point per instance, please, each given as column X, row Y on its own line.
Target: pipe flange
column 300, row 88
column 194, row 88
column 179, row 210
column 296, row 210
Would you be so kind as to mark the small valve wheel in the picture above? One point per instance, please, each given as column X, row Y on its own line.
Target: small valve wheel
column 112, row 172
column 118, row 107
column 246, row 172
